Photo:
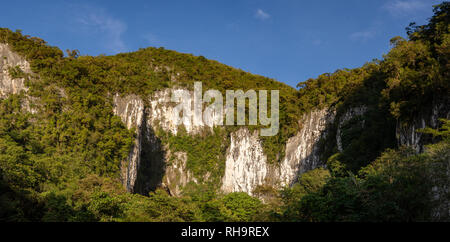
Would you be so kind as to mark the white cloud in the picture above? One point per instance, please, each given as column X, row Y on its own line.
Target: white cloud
column 362, row 36
column 406, row 7
column 100, row 22
column 260, row 14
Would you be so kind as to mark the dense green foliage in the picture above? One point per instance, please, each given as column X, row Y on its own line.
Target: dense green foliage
column 61, row 163
column 200, row 162
column 74, row 134
column 398, row 186
column 394, row 184
column 405, row 84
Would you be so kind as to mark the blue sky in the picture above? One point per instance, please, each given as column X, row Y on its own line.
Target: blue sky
column 289, row 40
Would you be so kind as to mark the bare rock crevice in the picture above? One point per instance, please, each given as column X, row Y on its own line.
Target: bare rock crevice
column 408, row 132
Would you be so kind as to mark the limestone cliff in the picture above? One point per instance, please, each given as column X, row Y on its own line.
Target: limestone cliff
column 406, row 131
column 10, row 85
column 9, row 59
column 302, row 150
column 131, row 110
column 152, row 164
column 246, row 165
column 347, row 116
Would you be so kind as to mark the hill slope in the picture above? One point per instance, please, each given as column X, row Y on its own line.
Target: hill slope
column 82, row 136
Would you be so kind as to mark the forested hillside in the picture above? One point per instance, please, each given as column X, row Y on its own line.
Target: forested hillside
column 62, row 147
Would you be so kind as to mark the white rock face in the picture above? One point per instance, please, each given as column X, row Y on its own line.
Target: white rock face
column 131, row 110
column 407, row 132
column 162, row 111
column 177, row 175
column 349, row 114
column 302, row 152
column 9, row 85
column 246, row 164
column 10, row 59
column 159, row 114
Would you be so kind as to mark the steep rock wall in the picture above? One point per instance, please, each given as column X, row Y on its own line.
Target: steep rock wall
column 131, row 110
column 246, row 165
column 150, row 164
column 8, row 59
column 302, row 150
column 9, row 85
column 347, row 116
column 407, row 131
column 161, row 113
column 177, row 175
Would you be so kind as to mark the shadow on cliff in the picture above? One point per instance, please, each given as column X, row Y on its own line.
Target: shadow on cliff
column 363, row 137
column 152, row 166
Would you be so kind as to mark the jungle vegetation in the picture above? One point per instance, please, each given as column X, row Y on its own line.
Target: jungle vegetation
column 62, row 163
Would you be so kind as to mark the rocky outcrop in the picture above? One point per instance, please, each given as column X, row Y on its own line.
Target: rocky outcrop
column 9, row 59
column 347, row 116
column 144, row 168
column 177, row 175
column 161, row 112
column 131, row 110
column 407, row 132
column 10, row 85
column 303, row 150
column 246, row 165
column 149, row 164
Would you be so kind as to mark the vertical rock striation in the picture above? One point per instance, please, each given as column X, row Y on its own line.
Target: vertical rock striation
column 9, row 59
column 131, row 110
column 347, row 116
column 10, row 85
column 177, row 175
column 302, row 150
column 151, row 164
column 245, row 165
column 147, row 165
column 407, row 131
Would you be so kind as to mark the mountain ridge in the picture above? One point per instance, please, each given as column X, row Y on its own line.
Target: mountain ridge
column 81, row 121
